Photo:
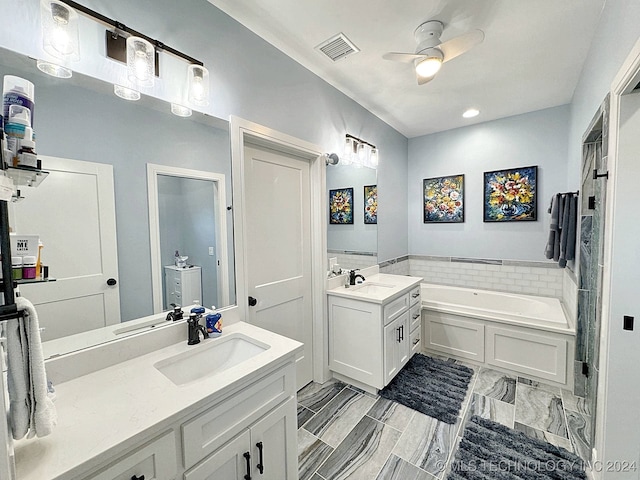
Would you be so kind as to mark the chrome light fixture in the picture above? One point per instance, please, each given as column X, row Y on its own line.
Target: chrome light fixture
column 53, row 69
column 359, row 153
column 373, row 157
column 198, row 84
column 141, row 61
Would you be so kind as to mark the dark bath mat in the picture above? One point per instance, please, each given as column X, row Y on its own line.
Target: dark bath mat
column 489, row 450
column 430, row 386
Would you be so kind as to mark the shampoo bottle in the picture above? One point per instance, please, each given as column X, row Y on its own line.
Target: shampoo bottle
column 214, row 323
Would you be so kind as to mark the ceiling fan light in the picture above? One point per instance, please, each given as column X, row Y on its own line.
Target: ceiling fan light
column 471, row 112
column 428, row 67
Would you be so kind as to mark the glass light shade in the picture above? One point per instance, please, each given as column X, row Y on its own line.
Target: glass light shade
column 198, row 82
column 141, row 62
column 362, row 153
column 180, row 110
column 54, row 70
column 471, row 112
column 373, row 157
column 59, row 30
column 428, row 67
column 126, row 93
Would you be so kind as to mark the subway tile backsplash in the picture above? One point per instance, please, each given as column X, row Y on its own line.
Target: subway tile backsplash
column 532, row 278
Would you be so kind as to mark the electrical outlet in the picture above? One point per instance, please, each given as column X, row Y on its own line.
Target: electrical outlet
column 211, row 251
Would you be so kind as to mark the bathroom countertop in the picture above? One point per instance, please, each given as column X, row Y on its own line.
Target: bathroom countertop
column 104, row 413
column 395, row 284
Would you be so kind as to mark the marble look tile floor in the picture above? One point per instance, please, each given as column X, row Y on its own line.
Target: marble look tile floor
column 344, row 433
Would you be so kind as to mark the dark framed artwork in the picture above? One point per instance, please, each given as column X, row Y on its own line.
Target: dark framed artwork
column 371, row 204
column 511, row 195
column 443, row 199
column 341, row 206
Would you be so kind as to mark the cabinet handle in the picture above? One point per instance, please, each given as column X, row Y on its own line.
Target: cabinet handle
column 415, row 295
column 260, row 465
column 398, row 332
column 416, row 316
column 135, row 477
column 247, row 457
column 416, row 341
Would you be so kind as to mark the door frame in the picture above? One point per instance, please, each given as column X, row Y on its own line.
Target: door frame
column 624, row 81
column 244, row 132
column 218, row 179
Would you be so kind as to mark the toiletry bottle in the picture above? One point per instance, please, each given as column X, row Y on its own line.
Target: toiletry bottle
column 29, row 267
column 214, row 323
column 39, row 260
column 16, row 129
column 18, row 91
column 16, row 268
column 26, row 155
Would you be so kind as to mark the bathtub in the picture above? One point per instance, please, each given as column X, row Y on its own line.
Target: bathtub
column 522, row 334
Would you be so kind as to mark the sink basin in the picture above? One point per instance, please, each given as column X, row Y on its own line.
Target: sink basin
column 372, row 288
column 211, row 357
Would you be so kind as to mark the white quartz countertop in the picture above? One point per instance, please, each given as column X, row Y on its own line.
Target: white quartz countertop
column 107, row 411
column 388, row 286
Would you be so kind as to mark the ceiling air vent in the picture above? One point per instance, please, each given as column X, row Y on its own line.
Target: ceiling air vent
column 337, row 47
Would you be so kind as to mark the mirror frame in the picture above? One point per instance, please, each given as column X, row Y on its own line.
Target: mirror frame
column 153, row 170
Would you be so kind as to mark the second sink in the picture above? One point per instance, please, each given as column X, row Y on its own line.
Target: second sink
column 209, row 358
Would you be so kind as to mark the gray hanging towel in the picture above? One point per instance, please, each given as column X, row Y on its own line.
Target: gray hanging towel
column 554, row 230
column 573, row 225
column 556, row 243
column 568, row 231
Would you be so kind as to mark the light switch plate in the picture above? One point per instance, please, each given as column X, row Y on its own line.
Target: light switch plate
column 211, row 251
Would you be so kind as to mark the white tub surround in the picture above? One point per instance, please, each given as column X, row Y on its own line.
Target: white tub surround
column 522, row 334
column 373, row 329
column 128, row 417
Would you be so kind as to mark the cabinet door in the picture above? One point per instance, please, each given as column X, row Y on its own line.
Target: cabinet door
column 227, row 463
column 274, row 451
column 391, row 344
column 404, row 345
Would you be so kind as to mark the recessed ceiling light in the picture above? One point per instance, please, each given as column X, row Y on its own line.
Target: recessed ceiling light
column 471, row 112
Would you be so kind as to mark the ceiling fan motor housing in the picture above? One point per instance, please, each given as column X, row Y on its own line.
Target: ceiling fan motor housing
column 427, row 35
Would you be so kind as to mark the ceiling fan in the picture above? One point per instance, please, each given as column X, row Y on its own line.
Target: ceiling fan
column 431, row 53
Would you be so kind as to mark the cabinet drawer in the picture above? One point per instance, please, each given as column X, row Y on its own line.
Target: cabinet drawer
column 414, row 295
column 395, row 308
column 212, row 428
column 155, row 461
column 414, row 316
column 416, row 344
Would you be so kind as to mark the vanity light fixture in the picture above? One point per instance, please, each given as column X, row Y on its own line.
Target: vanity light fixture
column 471, row 112
column 373, row 157
column 180, row 110
column 124, row 44
column 362, row 153
column 126, row 93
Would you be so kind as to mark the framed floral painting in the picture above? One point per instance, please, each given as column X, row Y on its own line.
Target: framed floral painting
column 341, row 206
column 443, row 199
column 371, row 204
column 510, row 195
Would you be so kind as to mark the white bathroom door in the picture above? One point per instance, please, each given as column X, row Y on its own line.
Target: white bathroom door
column 73, row 211
column 278, row 240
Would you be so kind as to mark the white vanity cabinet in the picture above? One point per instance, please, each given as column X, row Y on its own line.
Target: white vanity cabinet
column 372, row 337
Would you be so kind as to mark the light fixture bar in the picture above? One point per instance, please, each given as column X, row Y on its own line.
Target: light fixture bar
column 121, row 28
column 348, row 135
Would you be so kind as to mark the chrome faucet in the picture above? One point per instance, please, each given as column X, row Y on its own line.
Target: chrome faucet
column 353, row 276
column 193, row 323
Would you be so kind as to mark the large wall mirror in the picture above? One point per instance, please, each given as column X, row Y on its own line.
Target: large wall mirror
column 92, row 212
column 354, row 245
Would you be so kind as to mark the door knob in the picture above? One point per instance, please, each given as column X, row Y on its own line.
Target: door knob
column 111, row 282
column 252, row 301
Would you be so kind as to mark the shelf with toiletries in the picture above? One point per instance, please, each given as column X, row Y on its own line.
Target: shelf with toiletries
column 26, row 176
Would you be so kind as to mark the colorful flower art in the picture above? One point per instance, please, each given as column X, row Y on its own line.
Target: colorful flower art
column 510, row 195
column 444, row 199
column 371, row 204
column 341, row 206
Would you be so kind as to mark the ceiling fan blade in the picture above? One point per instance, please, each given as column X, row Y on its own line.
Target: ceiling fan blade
column 423, row 80
column 461, row 44
column 402, row 57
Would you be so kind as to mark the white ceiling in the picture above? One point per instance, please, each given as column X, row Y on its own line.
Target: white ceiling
column 531, row 57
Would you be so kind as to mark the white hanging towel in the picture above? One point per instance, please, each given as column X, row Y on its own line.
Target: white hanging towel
column 31, row 410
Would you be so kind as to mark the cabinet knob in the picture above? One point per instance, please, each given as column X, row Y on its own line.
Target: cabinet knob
column 252, row 301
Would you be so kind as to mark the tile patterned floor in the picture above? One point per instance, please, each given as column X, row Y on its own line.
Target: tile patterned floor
column 344, row 433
